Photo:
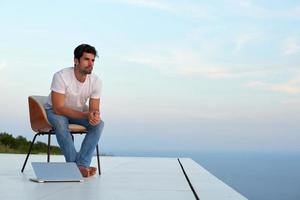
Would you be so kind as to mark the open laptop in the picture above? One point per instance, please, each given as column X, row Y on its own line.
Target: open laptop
column 56, row 172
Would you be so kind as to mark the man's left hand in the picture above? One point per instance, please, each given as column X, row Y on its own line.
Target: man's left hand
column 94, row 118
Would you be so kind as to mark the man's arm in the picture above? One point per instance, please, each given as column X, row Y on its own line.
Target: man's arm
column 94, row 105
column 94, row 111
column 58, row 104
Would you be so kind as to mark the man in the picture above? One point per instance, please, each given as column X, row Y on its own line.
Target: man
column 71, row 88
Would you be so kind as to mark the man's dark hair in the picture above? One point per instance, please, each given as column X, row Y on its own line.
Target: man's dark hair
column 84, row 48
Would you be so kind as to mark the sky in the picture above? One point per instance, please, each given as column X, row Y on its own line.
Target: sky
column 178, row 76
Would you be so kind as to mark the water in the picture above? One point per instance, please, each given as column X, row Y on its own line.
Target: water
column 257, row 176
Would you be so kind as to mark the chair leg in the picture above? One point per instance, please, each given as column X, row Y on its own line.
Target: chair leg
column 48, row 149
column 30, row 148
column 98, row 160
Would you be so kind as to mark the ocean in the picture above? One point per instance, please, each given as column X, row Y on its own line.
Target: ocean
column 257, row 176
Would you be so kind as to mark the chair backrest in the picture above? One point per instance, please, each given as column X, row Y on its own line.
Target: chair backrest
column 38, row 118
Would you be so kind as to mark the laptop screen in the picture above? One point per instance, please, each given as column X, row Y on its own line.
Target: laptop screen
column 56, row 171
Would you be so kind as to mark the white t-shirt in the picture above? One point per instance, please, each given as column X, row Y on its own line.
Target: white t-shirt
column 76, row 93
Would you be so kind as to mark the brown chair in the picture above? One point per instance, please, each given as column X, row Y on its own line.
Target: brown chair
column 40, row 124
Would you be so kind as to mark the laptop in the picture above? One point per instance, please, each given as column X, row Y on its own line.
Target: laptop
column 56, row 172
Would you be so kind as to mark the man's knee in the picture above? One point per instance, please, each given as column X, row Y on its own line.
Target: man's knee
column 101, row 124
column 98, row 128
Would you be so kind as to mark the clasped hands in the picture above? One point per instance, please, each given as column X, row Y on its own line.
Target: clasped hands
column 94, row 118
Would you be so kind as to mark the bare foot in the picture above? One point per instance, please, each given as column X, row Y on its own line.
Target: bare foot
column 86, row 171
column 93, row 170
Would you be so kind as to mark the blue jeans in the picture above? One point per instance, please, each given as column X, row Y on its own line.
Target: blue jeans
column 60, row 124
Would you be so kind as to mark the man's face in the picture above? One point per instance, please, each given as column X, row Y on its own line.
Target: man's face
column 85, row 63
